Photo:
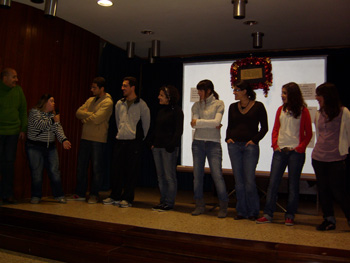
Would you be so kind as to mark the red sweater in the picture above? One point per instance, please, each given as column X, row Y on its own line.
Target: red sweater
column 305, row 131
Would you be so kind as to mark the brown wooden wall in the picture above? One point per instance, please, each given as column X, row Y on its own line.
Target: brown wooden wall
column 50, row 56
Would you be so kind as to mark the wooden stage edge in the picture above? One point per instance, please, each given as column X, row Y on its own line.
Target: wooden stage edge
column 71, row 239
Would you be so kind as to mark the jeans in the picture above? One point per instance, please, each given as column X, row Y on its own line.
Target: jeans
column 244, row 160
column 280, row 160
column 213, row 151
column 40, row 157
column 8, row 150
column 94, row 151
column 126, row 168
column 166, row 171
column 331, row 185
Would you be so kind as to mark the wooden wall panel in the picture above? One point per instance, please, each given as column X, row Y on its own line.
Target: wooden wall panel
column 50, row 56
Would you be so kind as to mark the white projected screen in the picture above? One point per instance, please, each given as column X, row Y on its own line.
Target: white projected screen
column 304, row 71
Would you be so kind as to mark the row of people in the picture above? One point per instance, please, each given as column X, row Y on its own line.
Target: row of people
column 246, row 127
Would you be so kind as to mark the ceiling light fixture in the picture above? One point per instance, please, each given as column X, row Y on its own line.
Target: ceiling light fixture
column 50, row 8
column 105, row 3
column 257, row 39
column 239, row 8
column 5, row 3
column 150, row 57
column 155, row 48
column 147, row 32
column 250, row 23
column 130, row 49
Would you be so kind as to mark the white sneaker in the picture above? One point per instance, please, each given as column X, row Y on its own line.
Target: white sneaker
column 110, row 201
column 93, row 199
column 35, row 200
column 124, row 204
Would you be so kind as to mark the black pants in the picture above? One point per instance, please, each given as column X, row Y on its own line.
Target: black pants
column 125, row 169
column 331, row 184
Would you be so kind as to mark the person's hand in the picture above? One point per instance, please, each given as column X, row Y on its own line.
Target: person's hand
column 67, row 145
column 250, row 142
column 278, row 149
column 193, row 123
column 219, row 127
column 56, row 118
column 152, row 147
column 22, row 136
column 230, row 141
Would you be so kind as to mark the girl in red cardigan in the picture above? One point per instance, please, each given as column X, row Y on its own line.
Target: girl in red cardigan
column 291, row 134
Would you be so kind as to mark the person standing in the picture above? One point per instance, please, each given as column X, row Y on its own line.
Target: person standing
column 332, row 123
column 43, row 126
column 13, row 126
column 206, row 120
column 242, row 137
column 94, row 114
column 133, row 120
column 165, row 140
column 291, row 134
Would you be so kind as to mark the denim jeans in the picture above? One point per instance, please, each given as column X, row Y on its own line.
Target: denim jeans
column 40, row 157
column 244, row 160
column 94, row 151
column 166, row 171
column 8, row 150
column 331, row 185
column 280, row 160
column 213, row 151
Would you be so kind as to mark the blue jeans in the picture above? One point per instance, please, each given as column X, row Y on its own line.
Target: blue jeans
column 40, row 157
column 8, row 150
column 280, row 160
column 244, row 160
column 213, row 151
column 166, row 171
column 94, row 151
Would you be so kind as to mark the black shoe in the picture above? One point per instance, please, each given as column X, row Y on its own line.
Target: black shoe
column 9, row 201
column 253, row 218
column 165, row 208
column 325, row 226
column 238, row 217
column 157, row 207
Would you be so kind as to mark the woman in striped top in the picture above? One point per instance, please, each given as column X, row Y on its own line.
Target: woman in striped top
column 43, row 126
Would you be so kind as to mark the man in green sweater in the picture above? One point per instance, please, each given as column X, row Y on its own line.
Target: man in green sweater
column 13, row 125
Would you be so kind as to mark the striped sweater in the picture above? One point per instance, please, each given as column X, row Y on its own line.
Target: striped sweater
column 42, row 128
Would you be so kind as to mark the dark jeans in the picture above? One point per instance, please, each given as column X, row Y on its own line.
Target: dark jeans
column 94, row 151
column 40, row 157
column 331, row 185
column 126, row 168
column 8, row 149
column 280, row 160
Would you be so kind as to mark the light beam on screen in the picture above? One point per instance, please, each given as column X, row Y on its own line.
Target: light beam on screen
column 311, row 70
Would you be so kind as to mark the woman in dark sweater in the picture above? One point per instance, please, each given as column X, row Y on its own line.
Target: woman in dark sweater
column 165, row 141
column 242, row 137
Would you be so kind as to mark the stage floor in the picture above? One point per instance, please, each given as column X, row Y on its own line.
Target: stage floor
column 181, row 220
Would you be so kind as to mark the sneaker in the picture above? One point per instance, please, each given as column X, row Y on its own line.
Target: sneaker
column 262, row 220
column 165, row 208
column 157, row 207
column 289, row 222
column 93, row 199
column 35, row 200
column 61, row 199
column 239, row 217
column 124, row 204
column 325, row 226
column 76, row 197
column 110, row 201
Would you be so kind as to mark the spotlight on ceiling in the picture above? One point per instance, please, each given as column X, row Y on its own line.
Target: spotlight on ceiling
column 257, row 39
column 150, row 57
column 105, row 3
column 155, row 48
column 130, row 49
column 5, row 3
column 37, row 1
column 239, row 8
column 50, row 8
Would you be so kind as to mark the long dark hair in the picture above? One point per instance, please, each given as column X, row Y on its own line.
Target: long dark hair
column 206, row 85
column 243, row 85
column 295, row 101
column 332, row 104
